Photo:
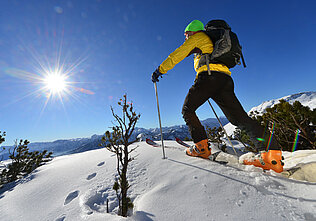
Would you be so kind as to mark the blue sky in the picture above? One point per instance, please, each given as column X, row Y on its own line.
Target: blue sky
column 112, row 47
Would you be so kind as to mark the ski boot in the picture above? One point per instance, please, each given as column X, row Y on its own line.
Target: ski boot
column 271, row 160
column 199, row 149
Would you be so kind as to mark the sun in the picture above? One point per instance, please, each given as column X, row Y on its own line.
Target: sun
column 53, row 78
column 55, row 83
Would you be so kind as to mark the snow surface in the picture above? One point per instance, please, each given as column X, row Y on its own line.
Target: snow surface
column 76, row 187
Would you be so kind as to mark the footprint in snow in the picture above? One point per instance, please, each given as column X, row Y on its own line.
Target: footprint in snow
column 101, row 164
column 239, row 203
column 62, row 218
column 71, row 196
column 91, row 176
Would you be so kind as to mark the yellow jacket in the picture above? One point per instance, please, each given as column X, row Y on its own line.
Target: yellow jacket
column 199, row 41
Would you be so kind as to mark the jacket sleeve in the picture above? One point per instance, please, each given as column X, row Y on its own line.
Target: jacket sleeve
column 178, row 55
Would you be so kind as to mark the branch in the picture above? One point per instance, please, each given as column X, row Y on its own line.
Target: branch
column 118, row 119
column 133, row 149
column 298, row 125
column 301, row 129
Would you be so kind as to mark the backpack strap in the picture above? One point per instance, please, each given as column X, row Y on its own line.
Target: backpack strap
column 206, row 59
column 208, row 64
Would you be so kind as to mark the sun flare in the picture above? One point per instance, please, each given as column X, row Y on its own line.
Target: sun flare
column 55, row 83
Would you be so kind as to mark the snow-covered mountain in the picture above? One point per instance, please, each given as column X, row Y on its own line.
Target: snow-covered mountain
column 61, row 147
column 169, row 133
column 306, row 99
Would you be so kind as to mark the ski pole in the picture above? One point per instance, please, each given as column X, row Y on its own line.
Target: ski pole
column 222, row 127
column 209, row 72
column 163, row 147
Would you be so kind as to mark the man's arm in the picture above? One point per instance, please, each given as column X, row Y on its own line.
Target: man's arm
column 178, row 55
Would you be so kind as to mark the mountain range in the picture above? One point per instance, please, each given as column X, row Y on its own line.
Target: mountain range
column 69, row 146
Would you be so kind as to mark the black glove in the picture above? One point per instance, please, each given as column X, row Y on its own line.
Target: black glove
column 156, row 75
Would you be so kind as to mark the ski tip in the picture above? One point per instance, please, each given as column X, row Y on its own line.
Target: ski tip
column 152, row 143
column 179, row 141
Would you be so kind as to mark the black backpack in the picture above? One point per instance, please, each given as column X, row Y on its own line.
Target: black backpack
column 227, row 49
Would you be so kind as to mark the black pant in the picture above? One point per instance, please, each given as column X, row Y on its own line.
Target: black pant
column 220, row 87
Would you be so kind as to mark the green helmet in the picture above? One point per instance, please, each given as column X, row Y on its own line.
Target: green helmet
column 195, row 25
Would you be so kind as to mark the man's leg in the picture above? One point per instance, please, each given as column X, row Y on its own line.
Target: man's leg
column 204, row 87
column 233, row 110
column 194, row 99
column 235, row 113
column 201, row 91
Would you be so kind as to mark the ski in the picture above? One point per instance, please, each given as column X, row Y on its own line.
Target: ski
column 156, row 144
column 152, row 143
column 212, row 157
column 179, row 141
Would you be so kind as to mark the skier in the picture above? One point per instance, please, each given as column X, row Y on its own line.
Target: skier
column 220, row 87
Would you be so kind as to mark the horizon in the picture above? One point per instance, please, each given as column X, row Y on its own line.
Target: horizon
column 179, row 125
column 106, row 49
column 88, row 137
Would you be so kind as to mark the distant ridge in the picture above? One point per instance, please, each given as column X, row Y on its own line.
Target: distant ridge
column 305, row 98
column 78, row 145
column 61, row 147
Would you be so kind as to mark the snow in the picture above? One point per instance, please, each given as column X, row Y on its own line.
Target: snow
column 76, row 187
column 305, row 98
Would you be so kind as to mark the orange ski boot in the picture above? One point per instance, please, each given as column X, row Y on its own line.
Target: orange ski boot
column 271, row 160
column 200, row 149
